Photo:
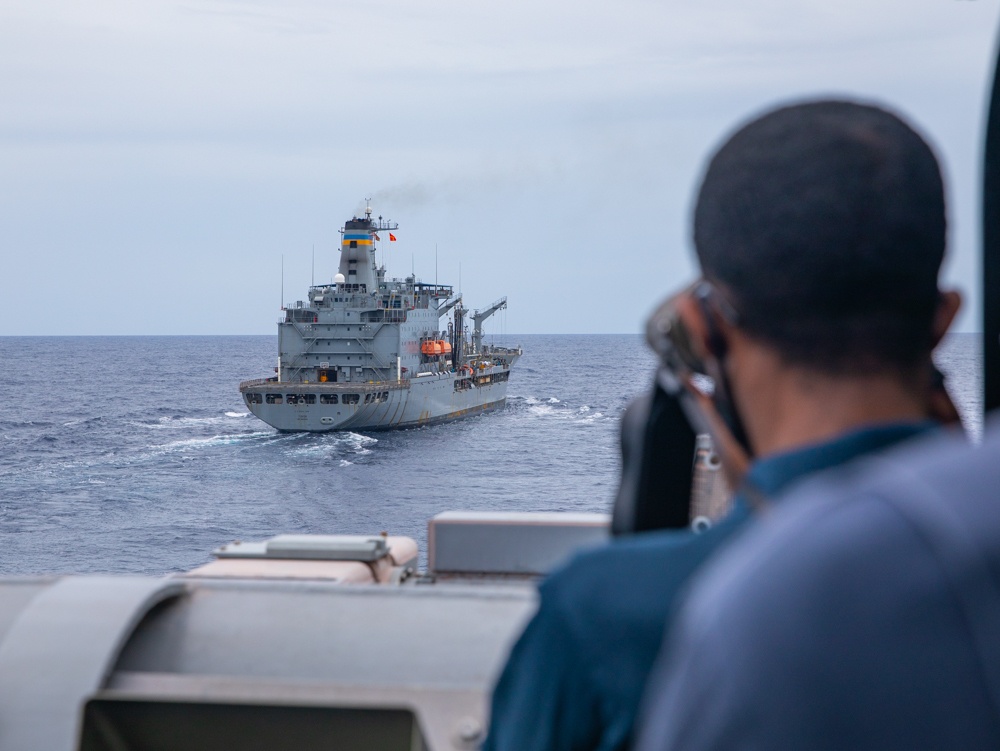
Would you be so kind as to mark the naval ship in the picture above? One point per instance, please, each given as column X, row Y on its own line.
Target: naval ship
column 368, row 353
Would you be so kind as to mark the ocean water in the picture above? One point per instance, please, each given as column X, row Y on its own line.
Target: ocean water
column 136, row 454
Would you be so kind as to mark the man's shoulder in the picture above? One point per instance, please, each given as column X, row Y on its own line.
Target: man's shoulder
column 919, row 521
column 847, row 561
column 919, row 488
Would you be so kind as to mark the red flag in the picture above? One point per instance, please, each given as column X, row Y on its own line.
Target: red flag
column 377, row 237
column 392, row 238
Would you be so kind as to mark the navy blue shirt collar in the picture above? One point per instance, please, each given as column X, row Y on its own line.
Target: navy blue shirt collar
column 770, row 475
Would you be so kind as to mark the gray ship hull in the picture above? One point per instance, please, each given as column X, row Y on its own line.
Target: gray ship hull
column 378, row 406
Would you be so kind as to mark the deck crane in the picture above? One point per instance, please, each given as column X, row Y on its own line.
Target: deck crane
column 479, row 316
column 449, row 305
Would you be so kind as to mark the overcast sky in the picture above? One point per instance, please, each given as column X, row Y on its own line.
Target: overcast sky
column 158, row 158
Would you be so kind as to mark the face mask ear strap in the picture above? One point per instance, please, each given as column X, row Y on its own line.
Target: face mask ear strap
column 703, row 294
column 707, row 298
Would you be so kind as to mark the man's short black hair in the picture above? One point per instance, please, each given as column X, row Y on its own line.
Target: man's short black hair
column 825, row 224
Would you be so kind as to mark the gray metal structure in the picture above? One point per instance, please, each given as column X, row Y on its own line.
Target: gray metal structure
column 325, row 642
column 366, row 352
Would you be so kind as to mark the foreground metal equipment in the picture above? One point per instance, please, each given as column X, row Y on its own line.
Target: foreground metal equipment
column 303, row 642
column 247, row 664
column 59, row 642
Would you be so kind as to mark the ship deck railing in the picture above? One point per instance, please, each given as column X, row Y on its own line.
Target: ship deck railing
column 361, row 387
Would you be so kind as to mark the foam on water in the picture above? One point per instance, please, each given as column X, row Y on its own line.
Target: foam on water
column 555, row 408
column 194, row 444
column 332, row 445
column 184, row 423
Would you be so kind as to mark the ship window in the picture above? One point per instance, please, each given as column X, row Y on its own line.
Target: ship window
column 273, row 398
column 352, row 398
column 354, row 243
column 368, row 398
column 255, row 398
column 327, row 398
column 310, row 398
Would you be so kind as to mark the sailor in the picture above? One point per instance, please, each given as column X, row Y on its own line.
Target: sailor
column 864, row 613
column 820, row 231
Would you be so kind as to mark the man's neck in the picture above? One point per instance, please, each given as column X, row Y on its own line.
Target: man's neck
column 785, row 408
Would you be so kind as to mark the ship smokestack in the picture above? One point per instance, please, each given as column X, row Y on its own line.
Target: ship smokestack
column 357, row 253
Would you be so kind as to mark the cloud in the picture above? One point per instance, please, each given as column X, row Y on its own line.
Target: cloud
column 515, row 134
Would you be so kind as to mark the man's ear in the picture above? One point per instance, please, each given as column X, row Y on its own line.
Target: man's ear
column 949, row 304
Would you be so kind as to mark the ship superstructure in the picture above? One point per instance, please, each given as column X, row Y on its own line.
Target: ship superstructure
column 368, row 352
